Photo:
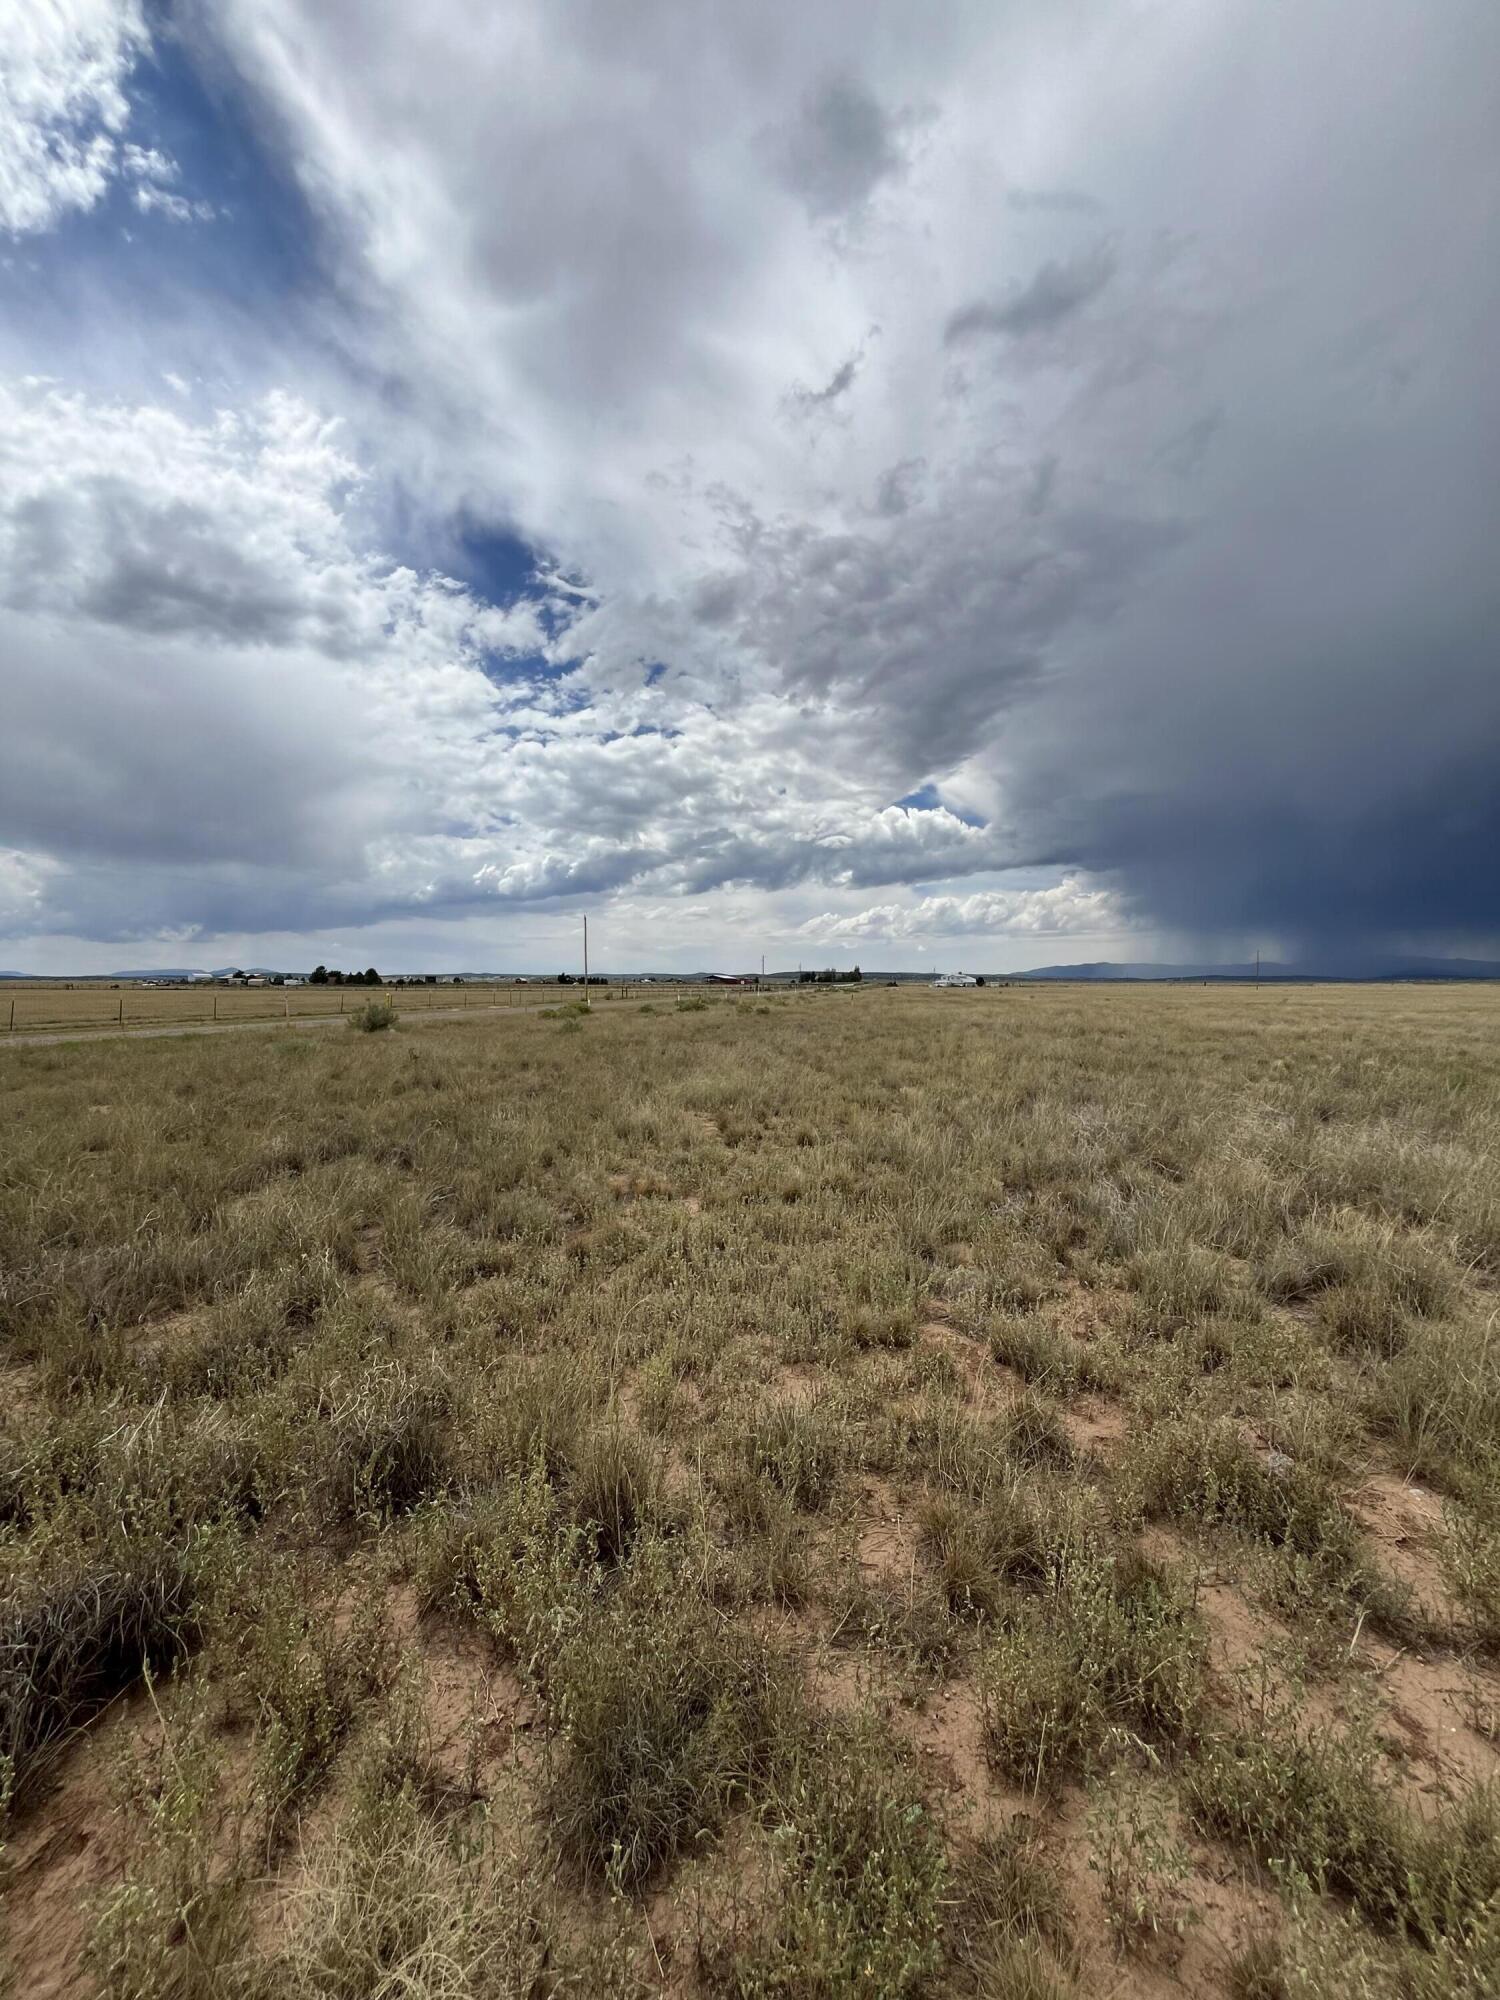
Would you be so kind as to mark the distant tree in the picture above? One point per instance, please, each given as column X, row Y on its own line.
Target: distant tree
column 335, row 978
column 278, row 979
column 372, row 977
column 429, row 979
column 856, row 975
column 319, row 976
column 979, row 979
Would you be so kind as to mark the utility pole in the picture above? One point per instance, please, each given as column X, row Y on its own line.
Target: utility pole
column 586, row 963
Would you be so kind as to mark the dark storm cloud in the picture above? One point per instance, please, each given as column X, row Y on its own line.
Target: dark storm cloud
column 1314, row 760
column 839, row 383
column 1059, row 289
column 1167, row 557
column 838, row 149
column 929, row 627
column 167, row 570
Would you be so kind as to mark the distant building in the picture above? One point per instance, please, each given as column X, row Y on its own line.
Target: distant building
column 955, row 979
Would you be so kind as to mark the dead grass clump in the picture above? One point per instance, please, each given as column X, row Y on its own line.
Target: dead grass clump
column 1204, row 1471
column 1178, row 1281
column 532, row 1417
column 1010, row 1910
column 1031, row 1434
column 380, row 1447
column 1113, row 1658
column 1398, row 1271
column 861, row 1878
column 799, row 1448
column 1315, row 1809
column 1439, row 1403
column 982, row 1551
column 397, row 1901
column 1469, row 1554
column 246, row 1342
column 78, row 1631
column 667, row 1716
column 1053, row 1361
column 614, row 1489
column 883, row 1327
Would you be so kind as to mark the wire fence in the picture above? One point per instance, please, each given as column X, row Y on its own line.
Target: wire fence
column 40, row 1009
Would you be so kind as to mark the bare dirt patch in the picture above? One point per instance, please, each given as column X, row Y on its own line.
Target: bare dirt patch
column 1084, row 1311
column 985, row 1380
column 1218, row 1898
column 947, row 1734
column 1430, row 1707
column 886, row 1535
column 64, row 1852
column 1403, row 1521
column 476, row 1713
column 1097, row 1426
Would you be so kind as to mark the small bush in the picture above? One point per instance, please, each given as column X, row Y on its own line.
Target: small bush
column 1141, row 1865
column 373, row 1017
column 300, row 1677
column 173, row 1924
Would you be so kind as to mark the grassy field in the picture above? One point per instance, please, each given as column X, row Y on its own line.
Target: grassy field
column 37, row 1006
column 870, row 1493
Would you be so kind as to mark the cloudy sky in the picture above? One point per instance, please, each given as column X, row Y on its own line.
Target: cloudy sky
column 983, row 483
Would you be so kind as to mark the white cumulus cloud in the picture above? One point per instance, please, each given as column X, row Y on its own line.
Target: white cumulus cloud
column 1072, row 907
column 63, row 69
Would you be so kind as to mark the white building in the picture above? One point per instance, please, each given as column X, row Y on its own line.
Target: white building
column 955, row 979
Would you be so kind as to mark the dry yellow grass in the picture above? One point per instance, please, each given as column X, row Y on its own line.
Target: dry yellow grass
column 37, row 1006
column 876, row 1492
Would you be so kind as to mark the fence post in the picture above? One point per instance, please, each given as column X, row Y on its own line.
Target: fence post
column 13, row 1017
column 122, row 1010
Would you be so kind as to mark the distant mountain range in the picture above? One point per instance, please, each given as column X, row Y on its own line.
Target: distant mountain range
column 1335, row 968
